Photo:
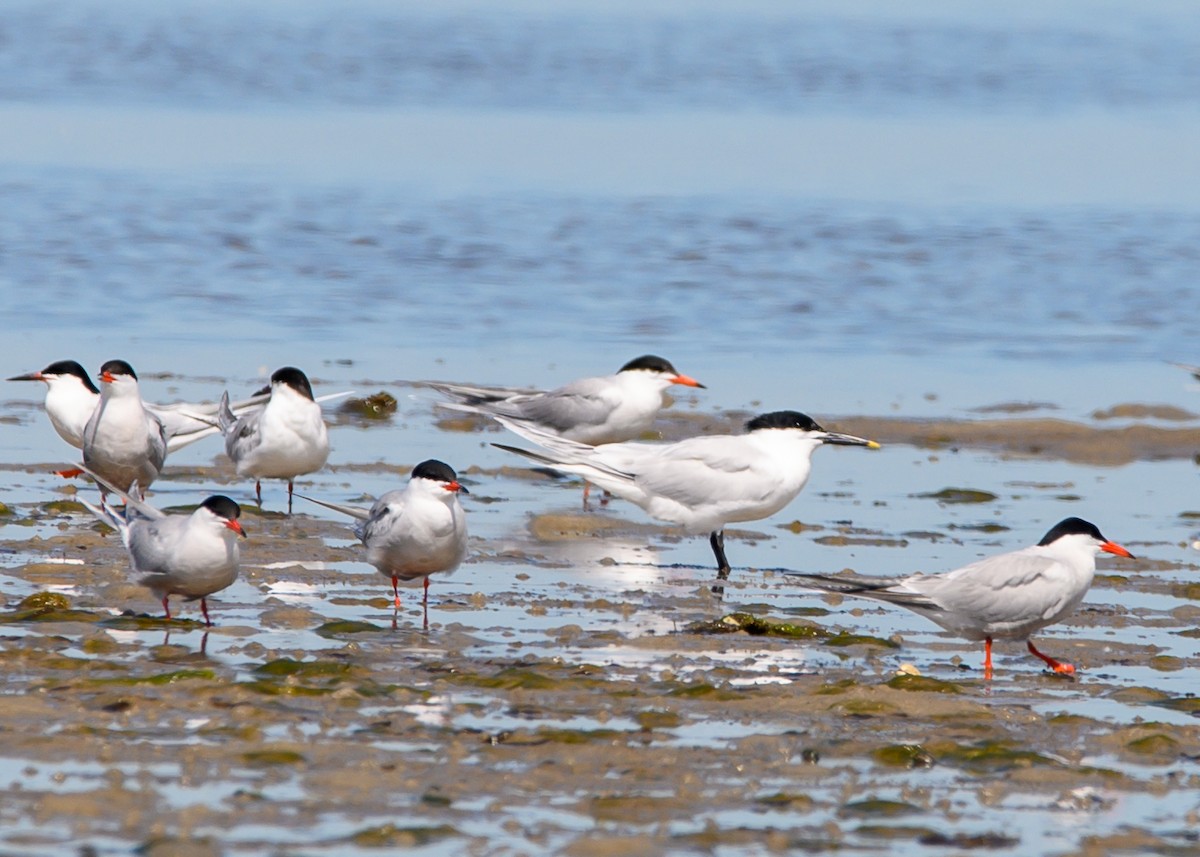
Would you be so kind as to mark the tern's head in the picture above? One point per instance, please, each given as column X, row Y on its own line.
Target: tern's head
column 290, row 376
column 1076, row 533
column 438, row 474
column 805, row 425
column 661, row 369
column 61, row 373
column 223, row 512
column 117, row 376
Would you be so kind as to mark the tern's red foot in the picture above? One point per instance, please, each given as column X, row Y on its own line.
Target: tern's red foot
column 1058, row 666
column 70, row 473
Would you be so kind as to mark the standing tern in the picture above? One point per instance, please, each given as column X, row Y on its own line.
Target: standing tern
column 71, row 399
column 605, row 409
column 1004, row 597
column 414, row 532
column 123, row 442
column 702, row 483
column 285, row 439
column 193, row 555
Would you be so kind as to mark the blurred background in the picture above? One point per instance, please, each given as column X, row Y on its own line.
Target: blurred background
column 865, row 202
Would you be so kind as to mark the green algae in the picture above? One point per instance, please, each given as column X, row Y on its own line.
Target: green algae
column 1188, row 704
column 47, row 607
column 878, row 808
column 270, row 687
column 953, row 496
column 306, row 669
column 866, row 708
column 650, row 720
column 158, row 678
column 923, row 684
column 346, row 626
column 377, row 406
column 702, row 690
column 271, row 758
column 64, row 507
column 990, row 757
column 1154, row 745
column 789, row 800
column 845, row 638
column 904, row 756
column 757, row 626
column 150, row 623
column 391, row 836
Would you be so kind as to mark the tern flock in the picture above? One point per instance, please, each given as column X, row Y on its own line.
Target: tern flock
column 589, row 427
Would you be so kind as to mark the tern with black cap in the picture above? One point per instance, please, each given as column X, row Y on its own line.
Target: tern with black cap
column 1005, row 597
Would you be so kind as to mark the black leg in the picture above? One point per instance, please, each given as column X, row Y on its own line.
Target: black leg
column 717, row 540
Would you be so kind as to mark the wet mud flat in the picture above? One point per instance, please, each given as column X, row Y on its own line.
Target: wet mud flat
column 581, row 689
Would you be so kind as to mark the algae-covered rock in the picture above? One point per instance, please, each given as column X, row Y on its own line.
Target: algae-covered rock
column 377, row 406
column 955, row 496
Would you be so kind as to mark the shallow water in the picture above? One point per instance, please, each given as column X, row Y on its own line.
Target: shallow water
column 938, row 216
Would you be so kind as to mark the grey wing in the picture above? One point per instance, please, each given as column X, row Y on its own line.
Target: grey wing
column 588, row 402
column 243, row 436
column 383, row 518
column 998, row 589
column 158, row 440
column 703, row 468
column 151, row 542
column 470, row 395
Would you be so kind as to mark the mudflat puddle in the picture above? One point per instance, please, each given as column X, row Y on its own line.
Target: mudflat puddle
column 573, row 691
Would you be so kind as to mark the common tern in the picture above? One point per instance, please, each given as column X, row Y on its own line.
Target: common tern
column 286, row 438
column 605, row 409
column 71, row 399
column 416, row 531
column 1005, row 597
column 702, row 483
column 123, row 442
column 193, row 555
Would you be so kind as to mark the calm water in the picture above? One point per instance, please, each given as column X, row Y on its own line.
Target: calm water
column 861, row 209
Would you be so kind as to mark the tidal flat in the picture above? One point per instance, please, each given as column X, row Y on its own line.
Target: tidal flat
column 580, row 687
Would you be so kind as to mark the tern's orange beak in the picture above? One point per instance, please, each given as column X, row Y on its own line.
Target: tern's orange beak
column 1114, row 548
column 106, row 377
column 456, row 488
column 687, row 382
column 236, row 527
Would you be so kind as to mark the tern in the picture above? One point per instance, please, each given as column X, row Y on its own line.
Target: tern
column 606, row 409
column 71, row 399
column 1005, row 597
column 702, row 483
column 123, row 442
column 193, row 555
column 284, row 439
column 416, row 531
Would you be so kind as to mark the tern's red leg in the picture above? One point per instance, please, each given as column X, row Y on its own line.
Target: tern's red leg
column 167, row 607
column 1058, row 666
column 289, row 496
column 587, row 490
column 396, row 590
column 204, row 610
column 258, row 491
column 987, row 658
column 425, row 600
